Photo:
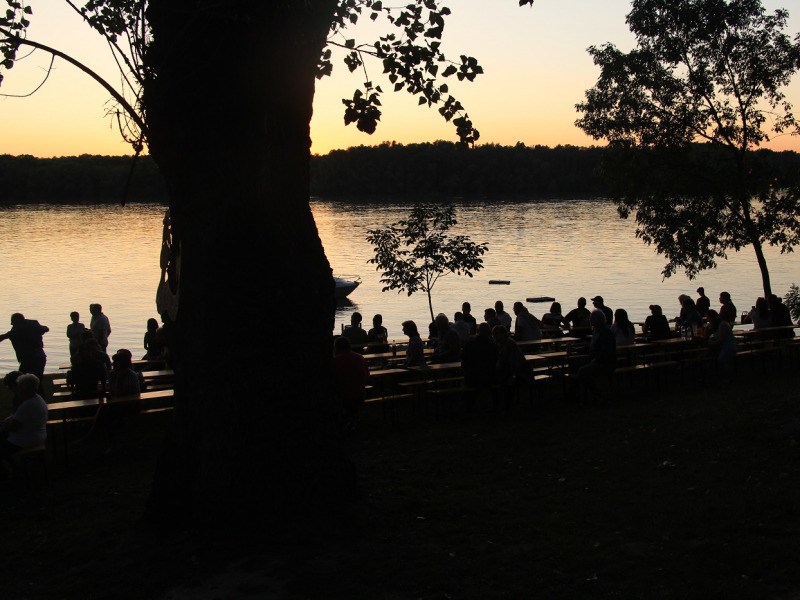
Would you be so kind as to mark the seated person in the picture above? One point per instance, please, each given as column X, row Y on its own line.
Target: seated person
column 502, row 315
column 449, row 347
column 512, row 368
column 578, row 318
column 354, row 333
column 526, row 327
column 415, row 353
column 781, row 316
column 602, row 356
column 759, row 315
column 88, row 374
column 552, row 321
column 692, row 319
column 123, row 382
column 462, row 328
column 351, row 373
column 10, row 381
column 623, row 330
column 490, row 317
column 378, row 334
column 656, row 326
column 27, row 427
column 722, row 343
column 727, row 310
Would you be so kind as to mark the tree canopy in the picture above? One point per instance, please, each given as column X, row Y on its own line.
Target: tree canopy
column 707, row 72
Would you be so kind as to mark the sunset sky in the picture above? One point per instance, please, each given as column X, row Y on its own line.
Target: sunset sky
column 535, row 61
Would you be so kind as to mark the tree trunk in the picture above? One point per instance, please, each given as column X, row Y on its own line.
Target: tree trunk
column 762, row 264
column 752, row 233
column 253, row 440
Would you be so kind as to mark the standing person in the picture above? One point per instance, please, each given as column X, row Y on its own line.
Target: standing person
column 597, row 301
column 74, row 331
column 100, row 326
column 351, row 373
column 26, row 337
column 415, row 353
column 466, row 310
column 502, row 315
column 526, row 327
column 27, row 427
column 727, row 312
column 702, row 303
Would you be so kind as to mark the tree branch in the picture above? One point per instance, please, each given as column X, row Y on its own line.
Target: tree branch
column 135, row 117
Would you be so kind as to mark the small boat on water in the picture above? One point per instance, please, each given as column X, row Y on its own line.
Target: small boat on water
column 345, row 284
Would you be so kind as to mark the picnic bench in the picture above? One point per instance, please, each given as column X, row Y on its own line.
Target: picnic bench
column 62, row 414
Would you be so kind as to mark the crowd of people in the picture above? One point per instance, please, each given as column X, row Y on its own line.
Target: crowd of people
column 489, row 354
column 93, row 374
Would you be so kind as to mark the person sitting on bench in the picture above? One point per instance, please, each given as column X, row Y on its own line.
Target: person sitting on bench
column 27, row 427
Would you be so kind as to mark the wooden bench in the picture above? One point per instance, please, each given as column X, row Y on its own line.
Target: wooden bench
column 389, row 404
column 83, row 411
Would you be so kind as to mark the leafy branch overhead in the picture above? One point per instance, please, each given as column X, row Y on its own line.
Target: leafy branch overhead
column 411, row 59
column 409, row 55
column 415, row 252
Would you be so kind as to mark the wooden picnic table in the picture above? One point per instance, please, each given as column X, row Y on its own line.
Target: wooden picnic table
column 135, row 361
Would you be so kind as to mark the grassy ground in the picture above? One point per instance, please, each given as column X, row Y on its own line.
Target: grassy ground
column 687, row 494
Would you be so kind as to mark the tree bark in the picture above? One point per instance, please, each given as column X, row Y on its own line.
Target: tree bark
column 228, row 106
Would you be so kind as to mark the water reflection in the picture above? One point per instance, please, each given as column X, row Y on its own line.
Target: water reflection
column 54, row 260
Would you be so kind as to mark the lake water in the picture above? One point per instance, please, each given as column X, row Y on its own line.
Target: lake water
column 56, row 259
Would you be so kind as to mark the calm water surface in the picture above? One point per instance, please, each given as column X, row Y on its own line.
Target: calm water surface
column 54, row 260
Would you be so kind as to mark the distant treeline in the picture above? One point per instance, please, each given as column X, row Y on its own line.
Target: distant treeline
column 443, row 168
column 388, row 170
column 78, row 179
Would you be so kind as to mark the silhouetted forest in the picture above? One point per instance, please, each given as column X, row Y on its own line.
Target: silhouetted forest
column 443, row 168
column 77, row 179
column 388, row 170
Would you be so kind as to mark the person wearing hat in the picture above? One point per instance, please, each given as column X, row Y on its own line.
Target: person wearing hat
column 702, row 304
column 597, row 301
column 727, row 312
